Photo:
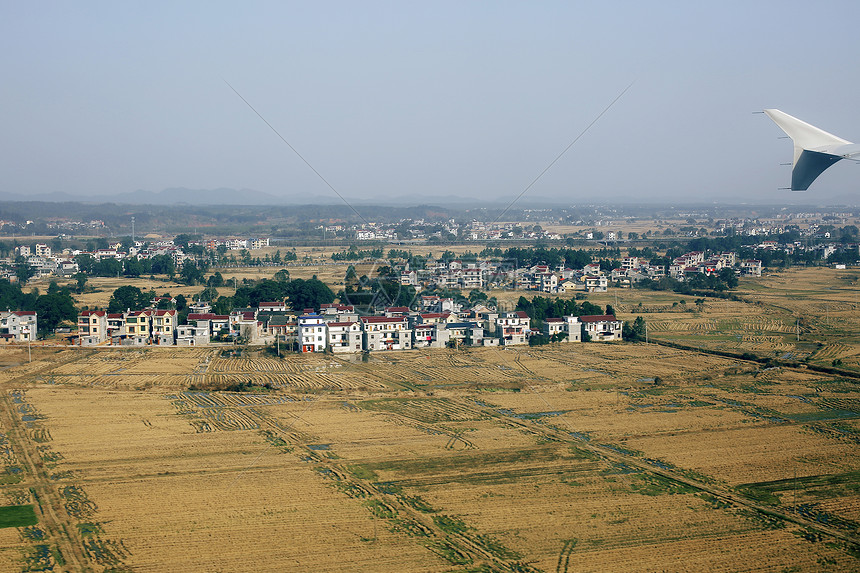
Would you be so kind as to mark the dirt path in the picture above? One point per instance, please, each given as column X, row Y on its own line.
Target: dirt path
column 53, row 517
column 720, row 492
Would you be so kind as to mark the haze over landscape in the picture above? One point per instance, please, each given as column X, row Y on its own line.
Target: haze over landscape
column 460, row 286
column 418, row 103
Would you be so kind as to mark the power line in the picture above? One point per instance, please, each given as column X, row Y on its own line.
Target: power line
column 553, row 162
column 318, row 174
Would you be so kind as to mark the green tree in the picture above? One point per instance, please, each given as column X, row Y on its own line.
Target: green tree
column 208, row 294
column 476, row 296
column 132, row 267
column 128, row 297
column 23, row 272
column 54, row 308
column 309, row 293
column 635, row 331
column 191, row 273
column 80, row 282
column 163, row 265
column 85, row 263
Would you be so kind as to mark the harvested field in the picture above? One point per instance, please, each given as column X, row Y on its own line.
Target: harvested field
column 569, row 457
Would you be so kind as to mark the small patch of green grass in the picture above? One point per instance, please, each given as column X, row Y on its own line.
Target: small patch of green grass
column 379, row 509
column 362, row 472
column 418, row 503
column 652, row 484
column 18, row 516
column 759, row 495
column 450, row 524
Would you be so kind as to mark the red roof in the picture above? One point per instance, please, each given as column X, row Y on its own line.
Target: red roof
column 379, row 319
column 436, row 315
column 93, row 313
column 598, row 318
column 207, row 316
column 201, row 316
column 344, row 307
column 341, row 323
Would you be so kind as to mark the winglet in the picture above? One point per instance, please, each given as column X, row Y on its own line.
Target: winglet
column 814, row 149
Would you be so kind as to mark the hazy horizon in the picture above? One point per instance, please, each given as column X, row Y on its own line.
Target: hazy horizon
column 470, row 100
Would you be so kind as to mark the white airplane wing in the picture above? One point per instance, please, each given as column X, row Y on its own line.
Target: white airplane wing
column 814, row 149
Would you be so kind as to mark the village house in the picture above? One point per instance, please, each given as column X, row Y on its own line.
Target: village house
column 311, row 333
column 430, row 335
column 18, row 325
column 569, row 326
column 344, row 336
column 603, row 327
column 465, row 333
column 92, row 327
column 213, row 323
column 383, row 333
column 751, row 268
column 163, row 326
column 191, row 335
column 512, row 327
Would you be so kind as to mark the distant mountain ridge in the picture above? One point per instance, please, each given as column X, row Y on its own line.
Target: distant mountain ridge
column 172, row 196
column 227, row 196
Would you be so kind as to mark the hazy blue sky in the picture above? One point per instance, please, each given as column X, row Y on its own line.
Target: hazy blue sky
column 427, row 99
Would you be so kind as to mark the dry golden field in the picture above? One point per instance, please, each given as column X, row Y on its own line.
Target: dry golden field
column 569, row 457
column 580, row 457
column 799, row 314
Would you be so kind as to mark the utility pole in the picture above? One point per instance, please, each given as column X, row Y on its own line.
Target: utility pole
column 132, row 230
column 795, row 488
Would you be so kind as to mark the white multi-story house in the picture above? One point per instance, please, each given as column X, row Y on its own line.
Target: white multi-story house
column 92, row 327
column 190, row 335
column 596, row 283
column 751, row 268
column 630, row 263
column 568, row 325
column 384, row 333
column 430, row 335
column 19, row 325
column 548, row 282
column 602, row 327
column 512, row 327
column 344, row 336
column 311, row 333
column 213, row 323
